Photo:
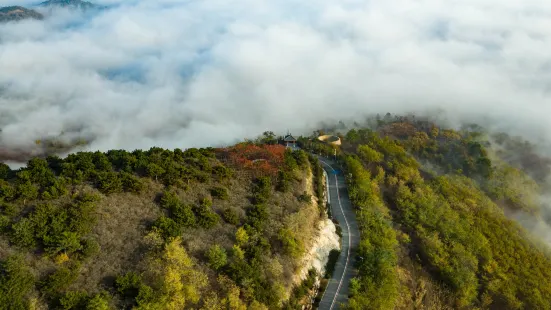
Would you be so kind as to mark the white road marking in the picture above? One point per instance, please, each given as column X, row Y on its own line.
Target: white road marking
column 349, row 236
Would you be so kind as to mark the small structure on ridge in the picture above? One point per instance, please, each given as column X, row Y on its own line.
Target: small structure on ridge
column 290, row 141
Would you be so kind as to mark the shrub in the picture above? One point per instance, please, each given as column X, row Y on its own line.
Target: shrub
column 230, row 216
column 305, row 197
column 61, row 258
column 331, row 263
column 220, row 193
column 221, row 172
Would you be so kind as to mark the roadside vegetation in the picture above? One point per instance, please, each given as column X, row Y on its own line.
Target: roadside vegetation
column 431, row 203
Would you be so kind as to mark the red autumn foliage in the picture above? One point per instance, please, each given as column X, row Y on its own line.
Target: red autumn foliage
column 261, row 159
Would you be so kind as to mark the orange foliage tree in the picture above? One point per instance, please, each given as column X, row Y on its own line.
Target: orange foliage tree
column 261, row 160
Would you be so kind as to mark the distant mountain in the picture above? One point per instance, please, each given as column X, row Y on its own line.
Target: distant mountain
column 16, row 13
column 71, row 4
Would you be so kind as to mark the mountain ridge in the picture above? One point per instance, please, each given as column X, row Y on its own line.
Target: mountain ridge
column 71, row 4
column 17, row 13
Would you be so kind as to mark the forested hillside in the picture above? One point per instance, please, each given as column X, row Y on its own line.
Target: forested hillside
column 432, row 205
column 158, row 229
column 227, row 228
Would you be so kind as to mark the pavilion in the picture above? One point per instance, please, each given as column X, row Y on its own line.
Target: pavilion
column 290, row 141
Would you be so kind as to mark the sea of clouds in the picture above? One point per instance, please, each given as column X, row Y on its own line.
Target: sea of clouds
column 174, row 73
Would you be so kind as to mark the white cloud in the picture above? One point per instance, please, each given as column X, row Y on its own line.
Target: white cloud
column 196, row 73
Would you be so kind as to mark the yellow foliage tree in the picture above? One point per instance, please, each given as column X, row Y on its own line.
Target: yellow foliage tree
column 175, row 279
column 232, row 292
column 241, row 236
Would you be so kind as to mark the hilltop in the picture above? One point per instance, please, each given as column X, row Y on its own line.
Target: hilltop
column 70, row 4
column 17, row 13
column 159, row 228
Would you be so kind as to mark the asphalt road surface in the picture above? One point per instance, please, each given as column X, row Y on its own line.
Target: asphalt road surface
column 336, row 292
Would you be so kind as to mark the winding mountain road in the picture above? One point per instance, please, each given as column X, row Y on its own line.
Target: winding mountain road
column 336, row 292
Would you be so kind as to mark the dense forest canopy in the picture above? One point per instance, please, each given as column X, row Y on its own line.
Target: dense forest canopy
column 432, row 205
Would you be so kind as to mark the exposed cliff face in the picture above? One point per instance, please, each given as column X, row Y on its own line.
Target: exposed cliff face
column 318, row 255
column 325, row 240
column 17, row 13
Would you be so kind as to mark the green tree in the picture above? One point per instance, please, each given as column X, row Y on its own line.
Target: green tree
column 129, row 284
column 27, row 191
column 183, row 215
column 109, row 182
column 131, row 183
column 98, row 302
column 167, row 227
column 16, row 281
column 5, row 171
column 217, row 257
column 230, row 216
column 67, row 242
column 74, row 300
column 206, row 218
column 292, row 245
column 219, row 192
column 154, row 170
column 60, row 280
column 23, row 233
column 370, row 155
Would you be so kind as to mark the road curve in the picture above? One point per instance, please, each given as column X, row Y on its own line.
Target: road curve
column 336, row 292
